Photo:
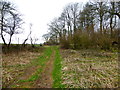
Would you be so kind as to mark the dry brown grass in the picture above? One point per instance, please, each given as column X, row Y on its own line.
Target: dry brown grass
column 89, row 69
column 14, row 64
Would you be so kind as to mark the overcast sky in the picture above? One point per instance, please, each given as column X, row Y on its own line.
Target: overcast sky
column 39, row 13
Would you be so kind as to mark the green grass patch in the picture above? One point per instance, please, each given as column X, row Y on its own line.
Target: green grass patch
column 41, row 62
column 57, row 81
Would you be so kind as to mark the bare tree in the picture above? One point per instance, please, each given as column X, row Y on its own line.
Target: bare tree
column 14, row 25
column 86, row 18
column 117, row 11
column 28, row 35
column 33, row 41
column 57, row 27
column 75, row 14
column 10, row 20
column 5, row 8
column 71, row 15
column 101, row 11
column 66, row 17
column 46, row 37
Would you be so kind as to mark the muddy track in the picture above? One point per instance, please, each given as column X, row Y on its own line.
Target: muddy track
column 45, row 79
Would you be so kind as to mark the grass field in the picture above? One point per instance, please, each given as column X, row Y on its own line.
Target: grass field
column 60, row 68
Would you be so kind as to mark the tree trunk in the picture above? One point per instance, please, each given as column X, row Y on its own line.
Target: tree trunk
column 2, row 31
column 70, row 31
column 10, row 41
column 3, row 38
column 111, row 28
column 101, row 25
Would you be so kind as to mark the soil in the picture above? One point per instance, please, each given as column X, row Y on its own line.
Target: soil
column 45, row 80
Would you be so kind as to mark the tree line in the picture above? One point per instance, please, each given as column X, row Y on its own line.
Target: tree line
column 91, row 26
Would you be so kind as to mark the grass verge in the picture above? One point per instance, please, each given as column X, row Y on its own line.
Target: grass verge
column 57, row 70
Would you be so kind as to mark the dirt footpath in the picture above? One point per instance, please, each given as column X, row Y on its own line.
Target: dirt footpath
column 45, row 79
